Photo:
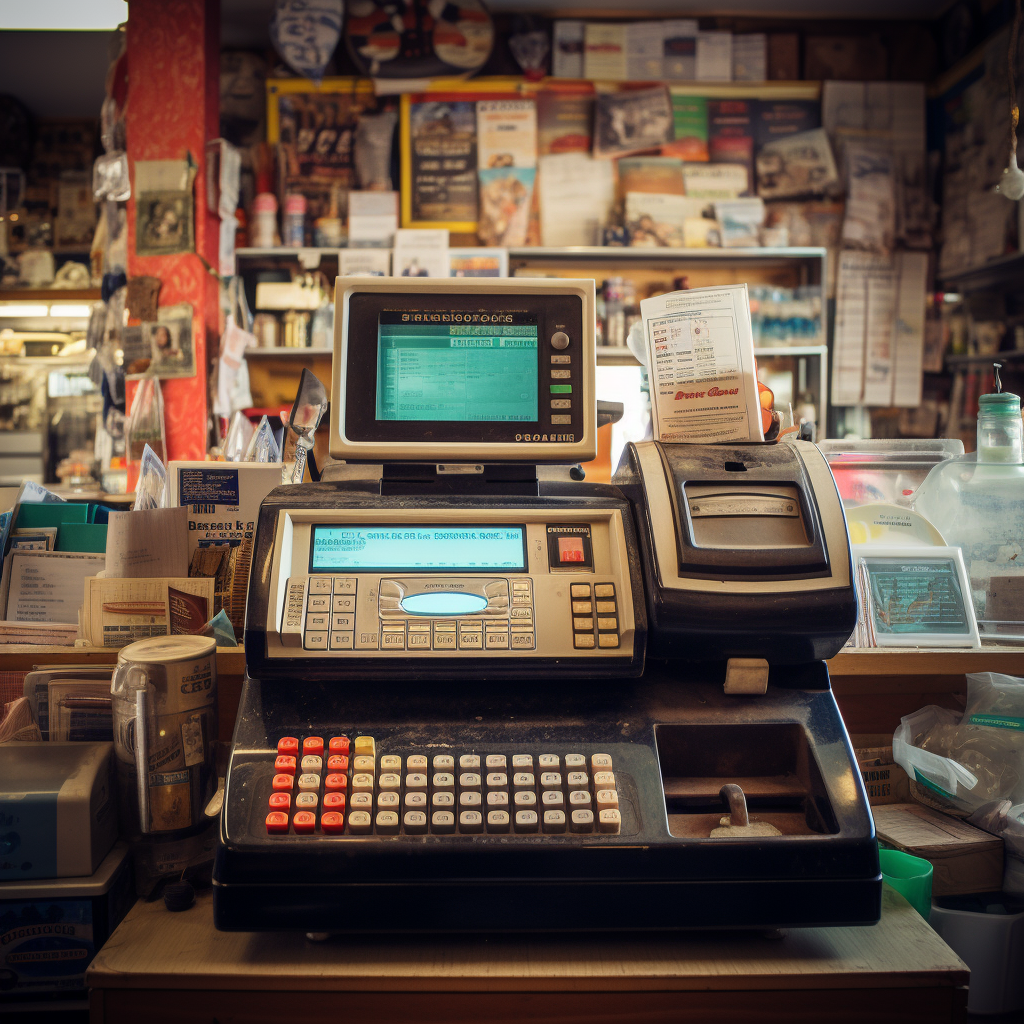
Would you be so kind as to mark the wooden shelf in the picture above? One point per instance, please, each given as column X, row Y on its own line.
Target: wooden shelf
column 994, row 273
column 50, row 295
column 287, row 353
column 887, row 661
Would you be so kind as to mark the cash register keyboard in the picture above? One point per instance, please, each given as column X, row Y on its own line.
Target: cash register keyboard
column 344, row 788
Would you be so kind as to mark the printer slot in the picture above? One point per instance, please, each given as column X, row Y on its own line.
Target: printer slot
column 772, row 763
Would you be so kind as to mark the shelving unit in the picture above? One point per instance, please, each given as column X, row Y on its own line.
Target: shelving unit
column 649, row 269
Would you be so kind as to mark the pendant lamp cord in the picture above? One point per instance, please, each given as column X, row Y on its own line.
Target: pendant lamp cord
column 1011, row 77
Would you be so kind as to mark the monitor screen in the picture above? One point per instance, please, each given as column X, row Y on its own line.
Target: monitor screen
column 417, row 548
column 446, row 365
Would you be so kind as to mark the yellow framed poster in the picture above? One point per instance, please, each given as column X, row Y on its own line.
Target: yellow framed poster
column 439, row 182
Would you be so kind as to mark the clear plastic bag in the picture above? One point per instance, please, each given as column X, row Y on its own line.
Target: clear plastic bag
column 990, row 738
column 151, row 490
column 263, row 446
column 240, row 433
column 964, row 762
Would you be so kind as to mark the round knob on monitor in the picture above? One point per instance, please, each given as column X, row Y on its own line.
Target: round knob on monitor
column 559, row 340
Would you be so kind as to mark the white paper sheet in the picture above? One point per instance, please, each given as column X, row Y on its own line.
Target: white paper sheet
column 645, row 41
column 909, row 329
column 47, row 586
column 604, row 52
column 148, row 543
column 701, row 352
column 879, row 361
column 714, row 56
column 576, row 197
column 750, row 57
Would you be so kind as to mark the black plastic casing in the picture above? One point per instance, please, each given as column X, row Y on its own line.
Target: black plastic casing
column 711, row 625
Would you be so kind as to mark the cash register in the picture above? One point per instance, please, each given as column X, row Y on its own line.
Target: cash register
column 450, row 721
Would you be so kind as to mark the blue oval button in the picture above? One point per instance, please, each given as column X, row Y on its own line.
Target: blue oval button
column 443, row 602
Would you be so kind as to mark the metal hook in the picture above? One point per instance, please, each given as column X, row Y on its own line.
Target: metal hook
column 999, row 384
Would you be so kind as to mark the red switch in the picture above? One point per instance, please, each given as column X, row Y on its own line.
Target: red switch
column 280, row 801
column 288, row 745
column 313, row 745
column 332, row 822
column 304, row 822
column 338, row 745
column 334, row 783
column 285, row 763
column 570, row 549
column 283, row 783
column 277, row 823
column 337, row 762
column 334, row 801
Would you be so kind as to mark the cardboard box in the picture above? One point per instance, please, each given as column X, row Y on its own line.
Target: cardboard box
column 50, row 930
column 884, row 780
column 965, row 860
column 223, row 501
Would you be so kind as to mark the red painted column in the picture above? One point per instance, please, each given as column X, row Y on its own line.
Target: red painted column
column 172, row 111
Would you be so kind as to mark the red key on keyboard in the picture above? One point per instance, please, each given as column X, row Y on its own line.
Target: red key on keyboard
column 337, row 763
column 339, row 745
column 313, row 745
column 332, row 823
column 280, row 801
column 334, row 801
column 283, row 782
column 285, row 763
column 336, row 782
column 277, row 822
column 304, row 822
column 288, row 745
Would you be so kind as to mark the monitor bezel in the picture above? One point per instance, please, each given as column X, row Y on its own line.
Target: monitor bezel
column 356, row 434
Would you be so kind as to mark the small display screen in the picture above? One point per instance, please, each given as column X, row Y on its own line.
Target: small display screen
column 916, row 597
column 457, row 366
column 417, row 548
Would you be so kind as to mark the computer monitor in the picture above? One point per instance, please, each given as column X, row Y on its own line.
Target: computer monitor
column 436, row 370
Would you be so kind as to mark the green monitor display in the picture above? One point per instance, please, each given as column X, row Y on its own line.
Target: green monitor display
column 452, row 366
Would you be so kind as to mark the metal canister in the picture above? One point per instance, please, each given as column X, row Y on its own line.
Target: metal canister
column 165, row 727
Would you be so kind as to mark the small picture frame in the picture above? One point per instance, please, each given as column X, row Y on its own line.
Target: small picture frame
column 170, row 343
column 917, row 597
column 164, row 223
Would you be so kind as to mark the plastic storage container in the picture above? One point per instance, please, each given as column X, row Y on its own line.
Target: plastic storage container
column 885, row 470
column 987, row 932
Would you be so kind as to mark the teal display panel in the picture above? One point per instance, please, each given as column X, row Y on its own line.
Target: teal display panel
column 415, row 548
column 461, row 372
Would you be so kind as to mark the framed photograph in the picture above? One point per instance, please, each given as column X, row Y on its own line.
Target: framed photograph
column 917, row 597
column 171, row 344
column 632, row 121
column 164, row 223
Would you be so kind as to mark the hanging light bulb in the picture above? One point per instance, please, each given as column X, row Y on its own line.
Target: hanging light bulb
column 1011, row 184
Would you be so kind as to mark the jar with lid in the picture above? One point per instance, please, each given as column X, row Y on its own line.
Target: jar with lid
column 977, row 503
column 263, row 231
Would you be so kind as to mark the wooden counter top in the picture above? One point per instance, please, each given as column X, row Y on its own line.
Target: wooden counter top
column 164, row 967
column 867, row 662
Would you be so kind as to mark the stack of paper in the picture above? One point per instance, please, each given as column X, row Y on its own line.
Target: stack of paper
column 700, row 357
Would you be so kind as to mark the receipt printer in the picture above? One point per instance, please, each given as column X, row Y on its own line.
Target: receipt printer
column 744, row 548
column 58, row 816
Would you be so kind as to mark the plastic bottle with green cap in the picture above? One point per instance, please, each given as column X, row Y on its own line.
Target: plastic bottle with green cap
column 977, row 503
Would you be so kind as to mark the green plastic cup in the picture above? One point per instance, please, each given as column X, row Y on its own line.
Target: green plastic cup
column 910, row 876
